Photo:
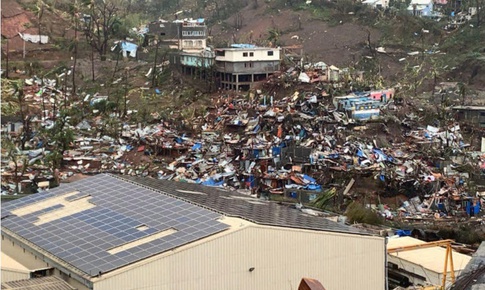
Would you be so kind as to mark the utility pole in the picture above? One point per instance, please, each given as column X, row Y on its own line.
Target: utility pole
column 75, row 50
column 6, row 59
column 126, row 93
column 155, row 62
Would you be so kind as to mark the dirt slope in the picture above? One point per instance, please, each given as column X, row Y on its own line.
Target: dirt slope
column 340, row 44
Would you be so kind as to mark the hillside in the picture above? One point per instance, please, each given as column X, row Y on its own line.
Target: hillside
column 326, row 33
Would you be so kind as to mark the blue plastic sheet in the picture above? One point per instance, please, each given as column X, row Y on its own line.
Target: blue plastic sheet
column 403, row 233
column 197, row 146
column 276, row 151
column 212, row 182
column 306, row 177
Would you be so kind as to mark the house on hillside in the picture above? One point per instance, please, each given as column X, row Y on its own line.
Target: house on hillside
column 112, row 232
column 378, row 4
column 239, row 66
column 188, row 35
column 421, row 7
column 474, row 116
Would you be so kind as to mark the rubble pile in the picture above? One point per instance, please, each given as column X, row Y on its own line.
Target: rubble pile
column 272, row 147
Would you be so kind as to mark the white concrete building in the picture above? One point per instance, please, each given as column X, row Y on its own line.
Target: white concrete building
column 380, row 4
column 240, row 66
column 107, row 232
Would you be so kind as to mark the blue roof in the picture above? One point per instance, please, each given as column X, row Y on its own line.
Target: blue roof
column 243, row 45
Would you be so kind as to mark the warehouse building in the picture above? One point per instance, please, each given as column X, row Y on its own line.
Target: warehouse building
column 109, row 232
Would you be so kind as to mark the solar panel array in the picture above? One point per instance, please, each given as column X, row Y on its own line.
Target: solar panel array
column 237, row 205
column 83, row 239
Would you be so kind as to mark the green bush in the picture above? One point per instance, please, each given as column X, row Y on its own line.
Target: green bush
column 357, row 213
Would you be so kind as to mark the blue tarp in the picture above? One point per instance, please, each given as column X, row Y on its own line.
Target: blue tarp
column 403, row 233
column 128, row 47
column 360, row 153
column 196, row 146
column 333, row 156
column 256, row 153
column 382, row 156
column 212, row 182
column 276, row 151
column 306, row 177
column 313, row 187
column 250, row 181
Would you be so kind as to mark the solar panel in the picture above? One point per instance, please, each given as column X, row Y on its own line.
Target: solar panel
column 83, row 239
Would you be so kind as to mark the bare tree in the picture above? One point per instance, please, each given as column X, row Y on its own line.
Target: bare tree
column 40, row 13
column 75, row 13
column 23, row 112
column 19, row 162
column 101, row 24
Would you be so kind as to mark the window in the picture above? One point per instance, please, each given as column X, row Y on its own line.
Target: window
column 193, row 33
column 245, row 54
column 270, row 53
column 251, row 54
column 220, row 53
column 248, row 64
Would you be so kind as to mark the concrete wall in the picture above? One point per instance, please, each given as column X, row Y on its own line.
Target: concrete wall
column 249, row 54
column 190, row 44
column 250, row 67
column 280, row 258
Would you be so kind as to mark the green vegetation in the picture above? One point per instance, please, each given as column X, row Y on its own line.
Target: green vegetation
column 323, row 199
column 357, row 213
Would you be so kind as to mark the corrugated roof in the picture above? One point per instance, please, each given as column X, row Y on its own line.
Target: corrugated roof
column 242, row 206
column 43, row 283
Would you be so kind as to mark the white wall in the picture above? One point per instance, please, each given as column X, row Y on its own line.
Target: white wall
column 259, row 54
column 280, row 257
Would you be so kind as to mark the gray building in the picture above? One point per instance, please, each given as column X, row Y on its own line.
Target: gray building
column 472, row 115
column 187, row 35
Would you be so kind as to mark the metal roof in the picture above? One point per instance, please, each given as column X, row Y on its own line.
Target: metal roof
column 102, row 223
column 42, row 283
column 238, row 205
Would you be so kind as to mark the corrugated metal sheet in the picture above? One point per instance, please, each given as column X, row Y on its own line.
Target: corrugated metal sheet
column 43, row 283
column 280, row 258
column 12, row 275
